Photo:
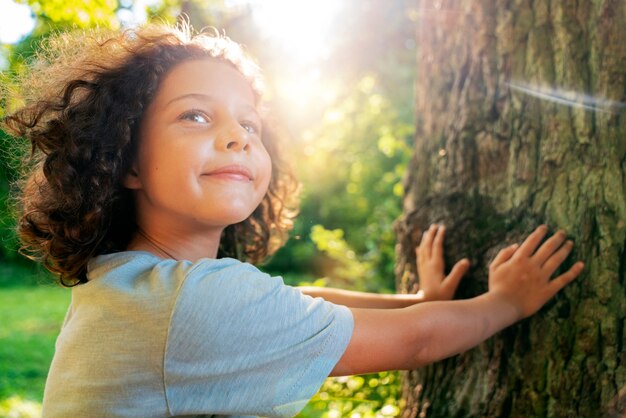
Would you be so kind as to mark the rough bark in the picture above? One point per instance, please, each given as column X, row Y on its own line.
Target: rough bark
column 520, row 121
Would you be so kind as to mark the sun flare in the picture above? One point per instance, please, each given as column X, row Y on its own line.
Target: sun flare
column 16, row 21
column 301, row 27
column 301, row 31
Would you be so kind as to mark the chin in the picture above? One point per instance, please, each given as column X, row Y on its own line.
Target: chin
column 236, row 218
column 240, row 213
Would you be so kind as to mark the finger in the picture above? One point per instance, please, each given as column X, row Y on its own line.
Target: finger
column 549, row 247
column 504, row 255
column 558, row 257
column 530, row 244
column 419, row 256
column 438, row 242
column 427, row 241
column 564, row 279
column 424, row 239
column 451, row 282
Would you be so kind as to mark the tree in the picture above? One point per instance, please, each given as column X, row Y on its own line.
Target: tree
column 520, row 120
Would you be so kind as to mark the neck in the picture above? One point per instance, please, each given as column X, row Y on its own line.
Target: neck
column 188, row 246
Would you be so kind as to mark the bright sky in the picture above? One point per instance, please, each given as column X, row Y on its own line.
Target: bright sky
column 16, row 21
column 301, row 27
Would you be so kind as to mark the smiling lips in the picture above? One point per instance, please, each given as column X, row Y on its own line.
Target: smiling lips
column 231, row 172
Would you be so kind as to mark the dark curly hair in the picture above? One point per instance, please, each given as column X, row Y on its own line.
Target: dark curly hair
column 85, row 96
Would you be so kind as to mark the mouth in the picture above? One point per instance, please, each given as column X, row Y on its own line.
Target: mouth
column 231, row 172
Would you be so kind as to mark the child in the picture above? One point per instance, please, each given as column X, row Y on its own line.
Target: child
column 154, row 165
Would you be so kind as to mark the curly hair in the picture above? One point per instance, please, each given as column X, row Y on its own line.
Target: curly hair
column 85, row 97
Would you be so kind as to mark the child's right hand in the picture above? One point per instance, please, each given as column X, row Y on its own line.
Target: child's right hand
column 521, row 276
column 433, row 283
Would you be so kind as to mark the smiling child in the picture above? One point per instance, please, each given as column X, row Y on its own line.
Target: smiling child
column 155, row 182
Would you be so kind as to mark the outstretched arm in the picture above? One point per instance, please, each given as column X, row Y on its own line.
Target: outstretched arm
column 434, row 284
column 354, row 299
column 519, row 284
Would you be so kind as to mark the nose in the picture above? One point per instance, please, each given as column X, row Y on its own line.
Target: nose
column 232, row 137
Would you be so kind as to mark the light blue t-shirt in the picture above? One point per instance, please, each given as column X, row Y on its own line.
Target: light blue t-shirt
column 148, row 337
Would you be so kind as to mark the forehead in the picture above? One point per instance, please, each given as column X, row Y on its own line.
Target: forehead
column 210, row 77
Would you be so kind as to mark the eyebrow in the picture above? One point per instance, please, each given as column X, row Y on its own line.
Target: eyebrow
column 205, row 98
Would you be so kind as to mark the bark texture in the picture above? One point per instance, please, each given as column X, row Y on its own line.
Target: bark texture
column 521, row 120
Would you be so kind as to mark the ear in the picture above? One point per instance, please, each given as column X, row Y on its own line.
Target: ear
column 131, row 180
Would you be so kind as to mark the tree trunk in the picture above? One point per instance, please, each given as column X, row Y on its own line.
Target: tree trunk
column 521, row 120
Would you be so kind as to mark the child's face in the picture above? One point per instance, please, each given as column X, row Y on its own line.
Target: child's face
column 201, row 162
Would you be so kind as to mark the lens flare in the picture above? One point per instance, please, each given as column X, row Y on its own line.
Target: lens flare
column 300, row 27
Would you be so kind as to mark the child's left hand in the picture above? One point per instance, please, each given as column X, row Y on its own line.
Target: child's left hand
column 433, row 284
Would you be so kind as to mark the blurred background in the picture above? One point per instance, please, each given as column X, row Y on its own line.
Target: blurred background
column 340, row 77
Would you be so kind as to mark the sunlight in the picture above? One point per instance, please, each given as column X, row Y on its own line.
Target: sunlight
column 16, row 21
column 301, row 88
column 301, row 30
column 16, row 406
column 301, row 27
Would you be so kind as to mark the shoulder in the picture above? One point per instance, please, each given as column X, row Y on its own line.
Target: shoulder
column 249, row 302
column 133, row 264
column 200, row 281
column 228, row 276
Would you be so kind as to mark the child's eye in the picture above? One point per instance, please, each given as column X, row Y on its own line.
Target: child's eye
column 251, row 127
column 195, row 116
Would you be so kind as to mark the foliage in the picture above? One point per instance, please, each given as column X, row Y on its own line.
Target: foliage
column 18, row 407
column 374, row 395
column 8, row 237
column 74, row 13
column 333, row 244
column 351, row 168
column 11, row 153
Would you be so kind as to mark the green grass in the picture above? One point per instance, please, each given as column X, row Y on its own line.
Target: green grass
column 31, row 319
column 31, row 314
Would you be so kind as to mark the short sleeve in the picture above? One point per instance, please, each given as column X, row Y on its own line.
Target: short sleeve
column 244, row 343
